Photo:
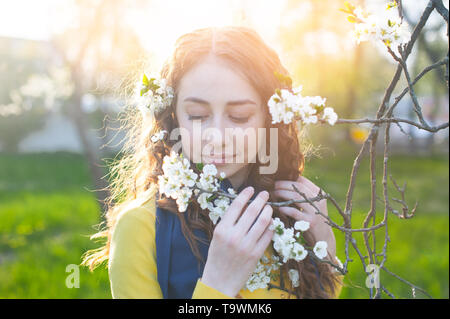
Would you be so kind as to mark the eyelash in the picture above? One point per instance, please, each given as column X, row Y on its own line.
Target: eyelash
column 234, row 119
column 195, row 117
column 239, row 119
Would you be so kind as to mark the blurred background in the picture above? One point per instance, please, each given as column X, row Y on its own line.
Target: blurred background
column 64, row 68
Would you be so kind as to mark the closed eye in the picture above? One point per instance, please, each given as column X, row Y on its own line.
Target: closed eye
column 239, row 119
column 196, row 117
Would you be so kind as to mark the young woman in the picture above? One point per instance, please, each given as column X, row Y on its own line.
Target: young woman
column 222, row 79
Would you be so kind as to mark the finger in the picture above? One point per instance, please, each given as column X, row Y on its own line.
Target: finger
column 287, row 185
column 295, row 213
column 237, row 206
column 251, row 213
column 288, row 195
column 313, row 187
column 258, row 228
column 263, row 242
column 301, row 183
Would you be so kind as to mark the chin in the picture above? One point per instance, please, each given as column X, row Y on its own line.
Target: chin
column 230, row 169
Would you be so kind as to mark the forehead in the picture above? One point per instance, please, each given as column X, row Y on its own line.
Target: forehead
column 214, row 79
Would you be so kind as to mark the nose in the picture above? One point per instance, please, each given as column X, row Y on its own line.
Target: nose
column 214, row 134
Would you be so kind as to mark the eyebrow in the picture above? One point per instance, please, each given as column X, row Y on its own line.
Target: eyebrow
column 232, row 103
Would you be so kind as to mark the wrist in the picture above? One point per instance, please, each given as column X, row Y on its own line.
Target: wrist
column 217, row 284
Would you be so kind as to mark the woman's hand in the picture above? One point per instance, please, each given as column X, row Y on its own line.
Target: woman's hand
column 236, row 245
column 305, row 211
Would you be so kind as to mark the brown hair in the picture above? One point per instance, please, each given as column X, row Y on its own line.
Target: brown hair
column 138, row 171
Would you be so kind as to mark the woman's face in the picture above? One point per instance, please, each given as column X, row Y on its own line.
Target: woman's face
column 219, row 113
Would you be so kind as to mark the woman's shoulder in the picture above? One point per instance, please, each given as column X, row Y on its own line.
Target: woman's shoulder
column 132, row 258
column 136, row 217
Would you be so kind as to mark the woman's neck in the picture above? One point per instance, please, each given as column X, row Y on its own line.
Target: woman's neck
column 238, row 178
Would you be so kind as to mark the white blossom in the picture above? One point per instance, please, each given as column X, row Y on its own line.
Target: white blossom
column 320, row 249
column 219, row 208
column 276, row 223
column 329, row 115
column 158, row 136
column 210, row 169
column 202, row 199
column 299, row 252
column 294, row 277
column 301, row 225
column 307, row 114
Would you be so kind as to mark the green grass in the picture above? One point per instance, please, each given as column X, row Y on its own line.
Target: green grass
column 46, row 217
column 47, row 213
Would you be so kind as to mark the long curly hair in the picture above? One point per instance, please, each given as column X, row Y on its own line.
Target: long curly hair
column 137, row 170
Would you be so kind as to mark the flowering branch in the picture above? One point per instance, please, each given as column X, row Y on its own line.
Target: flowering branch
column 180, row 182
column 273, row 204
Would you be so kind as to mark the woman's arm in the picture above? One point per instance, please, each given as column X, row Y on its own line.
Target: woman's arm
column 132, row 261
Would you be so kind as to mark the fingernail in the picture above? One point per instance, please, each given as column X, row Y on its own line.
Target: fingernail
column 264, row 194
column 249, row 189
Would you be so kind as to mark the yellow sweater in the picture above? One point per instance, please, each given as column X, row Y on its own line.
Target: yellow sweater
column 132, row 260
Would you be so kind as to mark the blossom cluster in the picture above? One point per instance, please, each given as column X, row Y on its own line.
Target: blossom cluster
column 180, row 182
column 177, row 180
column 261, row 276
column 387, row 26
column 286, row 106
column 153, row 95
column 216, row 205
column 288, row 243
column 288, row 246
